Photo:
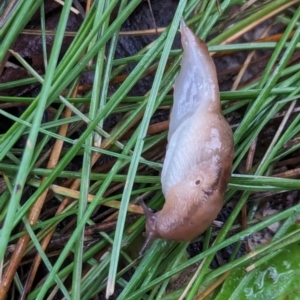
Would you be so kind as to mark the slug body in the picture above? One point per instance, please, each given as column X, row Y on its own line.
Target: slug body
column 198, row 161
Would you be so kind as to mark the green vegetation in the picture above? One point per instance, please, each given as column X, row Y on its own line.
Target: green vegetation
column 80, row 270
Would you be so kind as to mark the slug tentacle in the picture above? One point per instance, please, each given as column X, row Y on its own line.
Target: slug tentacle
column 151, row 233
column 198, row 161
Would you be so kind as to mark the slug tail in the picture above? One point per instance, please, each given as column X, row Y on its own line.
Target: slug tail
column 196, row 87
column 205, row 73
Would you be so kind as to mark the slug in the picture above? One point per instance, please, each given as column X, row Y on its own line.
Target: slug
column 198, row 162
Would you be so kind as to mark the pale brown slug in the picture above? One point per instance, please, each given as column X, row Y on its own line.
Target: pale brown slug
column 198, row 161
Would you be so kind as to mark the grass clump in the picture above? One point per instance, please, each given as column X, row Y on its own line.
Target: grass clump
column 95, row 249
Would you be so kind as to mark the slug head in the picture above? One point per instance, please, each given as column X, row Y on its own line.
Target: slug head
column 151, row 233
